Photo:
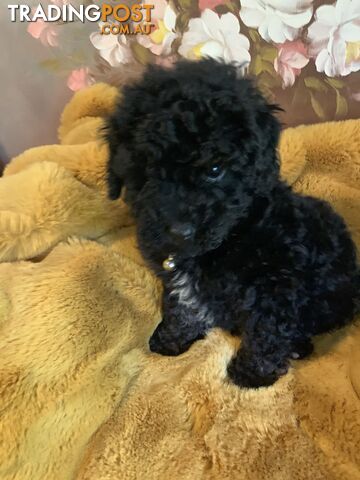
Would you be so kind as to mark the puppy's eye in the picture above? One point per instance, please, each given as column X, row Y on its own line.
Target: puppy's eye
column 215, row 172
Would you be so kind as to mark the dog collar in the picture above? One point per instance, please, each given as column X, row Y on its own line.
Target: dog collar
column 169, row 263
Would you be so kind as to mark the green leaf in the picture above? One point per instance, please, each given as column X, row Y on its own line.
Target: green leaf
column 187, row 5
column 341, row 105
column 266, row 83
column 266, row 92
column 259, row 65
column 318, row 109
column 182, row 21
column 315, row 84
column 53, row 65
column 76, row 58
column 268, row 67
column 141, row 54
column 253, row 34
column 232, row 7
column 268, row 53
column 256, row 66
column 334, row 82
column 270, row 79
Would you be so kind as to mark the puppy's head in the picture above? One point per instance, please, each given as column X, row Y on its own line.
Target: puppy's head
column 195, row 147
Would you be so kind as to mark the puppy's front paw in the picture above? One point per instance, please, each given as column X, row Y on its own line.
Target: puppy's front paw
column 248, row 376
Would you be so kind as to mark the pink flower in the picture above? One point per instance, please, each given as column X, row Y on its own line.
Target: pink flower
column 46, row 32
column 292, row 57
column 79, row 79
column 210, row 4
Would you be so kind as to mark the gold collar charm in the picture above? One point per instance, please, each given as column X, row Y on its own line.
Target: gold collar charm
column 169, row 264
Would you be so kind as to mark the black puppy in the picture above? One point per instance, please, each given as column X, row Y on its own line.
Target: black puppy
column 195, row 147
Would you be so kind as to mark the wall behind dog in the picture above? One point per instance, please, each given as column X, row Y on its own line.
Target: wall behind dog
column 305, row 55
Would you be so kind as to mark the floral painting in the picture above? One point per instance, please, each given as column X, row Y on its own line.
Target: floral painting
column 304, row 54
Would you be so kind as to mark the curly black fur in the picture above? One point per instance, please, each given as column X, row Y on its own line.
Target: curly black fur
column 195, row 147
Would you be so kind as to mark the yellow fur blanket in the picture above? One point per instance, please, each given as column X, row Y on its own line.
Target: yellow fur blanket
column 81, row 396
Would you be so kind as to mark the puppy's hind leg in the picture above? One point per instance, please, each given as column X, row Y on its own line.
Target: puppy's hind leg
column 271, row 338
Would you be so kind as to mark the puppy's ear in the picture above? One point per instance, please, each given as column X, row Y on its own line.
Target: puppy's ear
column 117, row 165
column 117, row 159
column 114, row 184
column 269, row 126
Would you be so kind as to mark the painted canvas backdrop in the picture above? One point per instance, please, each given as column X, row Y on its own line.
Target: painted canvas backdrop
column 305, row 55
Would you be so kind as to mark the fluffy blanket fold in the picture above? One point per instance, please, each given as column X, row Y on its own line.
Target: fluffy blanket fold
column 81, row 396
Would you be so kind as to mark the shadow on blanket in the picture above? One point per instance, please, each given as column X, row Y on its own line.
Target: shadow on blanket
column 81, row 395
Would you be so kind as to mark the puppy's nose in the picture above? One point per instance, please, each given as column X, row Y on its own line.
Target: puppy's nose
column 182, row 231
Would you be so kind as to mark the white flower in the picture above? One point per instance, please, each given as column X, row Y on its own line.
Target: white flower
column 162, row 37
column 276, row 20
column 113, row 48
column 216, row 37
column 335, row 38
